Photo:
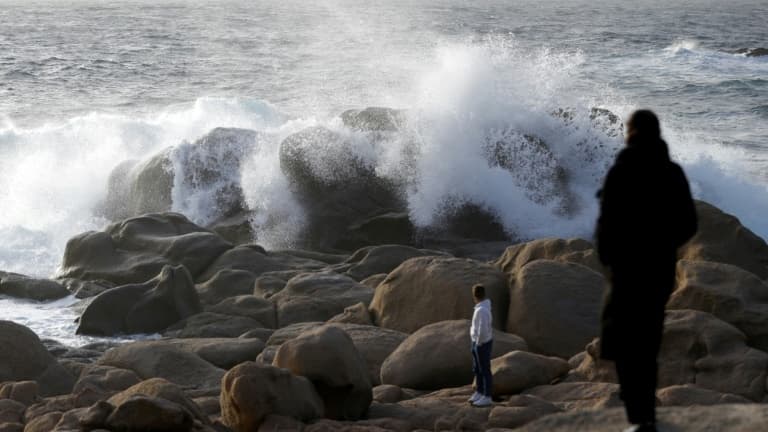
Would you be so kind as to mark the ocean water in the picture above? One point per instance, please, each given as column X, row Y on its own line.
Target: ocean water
column 86, row 85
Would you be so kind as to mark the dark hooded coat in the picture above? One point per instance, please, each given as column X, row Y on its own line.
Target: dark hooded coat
column 646, row 214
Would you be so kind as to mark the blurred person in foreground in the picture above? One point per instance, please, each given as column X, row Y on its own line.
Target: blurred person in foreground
column 646, row 214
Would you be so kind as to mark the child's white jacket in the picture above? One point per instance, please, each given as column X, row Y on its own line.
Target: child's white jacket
column 482, row 320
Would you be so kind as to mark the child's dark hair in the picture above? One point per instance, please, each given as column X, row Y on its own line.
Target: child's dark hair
column 478, row 291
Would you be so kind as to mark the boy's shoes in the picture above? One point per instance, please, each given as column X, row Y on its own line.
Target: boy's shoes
column 645, row 427
column 474, row 398
column 484, row 401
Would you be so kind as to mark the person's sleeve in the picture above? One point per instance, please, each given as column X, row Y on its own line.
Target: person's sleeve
column 475, row 330
column 605, row 233
column 487, row 326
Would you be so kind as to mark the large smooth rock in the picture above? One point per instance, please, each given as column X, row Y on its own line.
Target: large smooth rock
column 141, row 413
column 730, row 293
column 225, row 284
column 44, row 423
column 85, row 289
column 23, row 357
column 142, row 308
column 224, row 353
column 520, row 410
column 327, row 356
column 697, row 348
column 555, row 306
column 427, row 290
column 161, row 389
column 249, row 306
column 105, row 379
column 690, row 394
column 20, row 286
column 318, row 297
column 574, row 250
column 136, row 249
column 375, row 344
column 374, row 119
column 138, row 187
column 251, row 391
column 355, row 314
column 382, row 259
column 438, row 356
column 207, row 170
column 722, row 238
column 579, row 395
column 701, row 349
column 725, row 418
column 11, row 411
column 336, row 186
column 532, row 164
column 250, row 257
column 519, row 370
column 435, row 412
column 212, row 325
column 292, row 331
column 160, row 359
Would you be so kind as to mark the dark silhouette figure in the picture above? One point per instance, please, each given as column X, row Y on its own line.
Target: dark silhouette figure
column 646, row 214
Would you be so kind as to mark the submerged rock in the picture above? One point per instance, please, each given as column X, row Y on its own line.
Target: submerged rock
column 752, row 52
column 20, row 286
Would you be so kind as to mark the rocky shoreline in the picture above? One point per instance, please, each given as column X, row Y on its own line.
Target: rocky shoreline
column 373, row 340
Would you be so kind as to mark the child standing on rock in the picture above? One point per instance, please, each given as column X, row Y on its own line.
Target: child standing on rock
column 481, row 334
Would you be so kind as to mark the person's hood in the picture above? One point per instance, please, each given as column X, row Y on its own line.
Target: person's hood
column 485, row 304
